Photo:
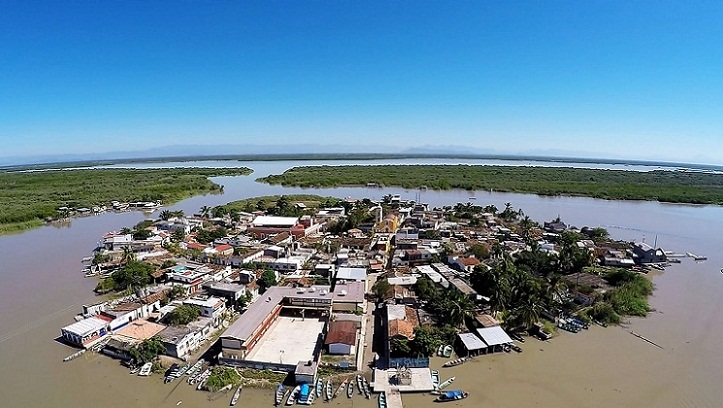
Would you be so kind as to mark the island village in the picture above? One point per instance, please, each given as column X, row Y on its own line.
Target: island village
column 346, row 298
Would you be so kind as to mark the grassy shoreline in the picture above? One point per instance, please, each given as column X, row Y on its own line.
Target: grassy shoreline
column 663, row 186
column 27, row 200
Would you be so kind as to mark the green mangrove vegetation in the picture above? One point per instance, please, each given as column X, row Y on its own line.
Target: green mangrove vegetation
column 658, row 185
column 282, row 205
column 27, row 199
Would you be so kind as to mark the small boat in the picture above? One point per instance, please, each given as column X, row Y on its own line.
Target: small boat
column 309, row 399
column 516, row 348
column 279, row 394
column 134, row 369
column 236, row 396
column 145, row 370
column 440, row 349
column 341, row 387
column 455, row 395
column 360, row 383
column 319, row 387
column 382, row 402
column 447, row 351
column 365, row 389
column 75, row 355
column 350, row 390
column 328, row 389
column 453, row 363
column 435, row 379
column 293, row 396
column 446, row 383
column 506, row 348
column 171, row 374
column 473, row 198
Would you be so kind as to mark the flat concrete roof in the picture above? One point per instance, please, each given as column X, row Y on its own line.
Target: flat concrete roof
column 296, row 337
column 244, row 327
column 272, row 221
column 421, row 381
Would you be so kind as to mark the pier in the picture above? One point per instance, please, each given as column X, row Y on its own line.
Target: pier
column 394, row 400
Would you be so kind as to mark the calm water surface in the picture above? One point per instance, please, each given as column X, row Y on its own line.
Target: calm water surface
column 41, row 289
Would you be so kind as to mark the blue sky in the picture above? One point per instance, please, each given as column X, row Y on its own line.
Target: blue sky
column 637, row 79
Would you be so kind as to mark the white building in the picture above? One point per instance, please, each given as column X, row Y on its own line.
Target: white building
column 211, row 307
column 86, row 332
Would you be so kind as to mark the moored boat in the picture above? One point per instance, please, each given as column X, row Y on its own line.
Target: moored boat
column 446, row 383
column 75, row 355
column 236, row 396
column 341, row 387
column 516, row 348
column 365, row 389
column 453, row 363
column 293, row 396
column 359, row 383
column 447, row 351
column 145, row 370
column 279, row 394
column 435, row 379
column 328, row 389
column 350, row 389
column 455, row 395
column 319, row 387
column 382, row 402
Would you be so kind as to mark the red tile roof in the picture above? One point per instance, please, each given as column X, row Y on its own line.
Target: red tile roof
column 341, row 332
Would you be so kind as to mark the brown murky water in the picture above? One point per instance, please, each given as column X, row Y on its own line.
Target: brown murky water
column 41, row 289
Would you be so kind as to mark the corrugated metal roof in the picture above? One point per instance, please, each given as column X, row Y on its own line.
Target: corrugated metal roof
column 86, row 326
column 471, row 341
column 494, row 336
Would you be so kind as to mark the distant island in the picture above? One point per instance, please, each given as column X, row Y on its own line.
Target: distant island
column 29, row 199
column 658, row 185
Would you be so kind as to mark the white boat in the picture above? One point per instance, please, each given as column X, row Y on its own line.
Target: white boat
column 440, row 349
column 145, row 370
column 447, row 351
column 341, row 387
column 365, row 384
column 446, row 383
column 294, row 394
column 278, row 394
column 360, row 383
column 328, row 389
column 236, row 396
column 319, row 389
column 75, row 355
column 435, row 379
column 453, row 363
column 382, row 403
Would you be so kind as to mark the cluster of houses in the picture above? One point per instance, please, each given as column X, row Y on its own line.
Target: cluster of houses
column 324, row 282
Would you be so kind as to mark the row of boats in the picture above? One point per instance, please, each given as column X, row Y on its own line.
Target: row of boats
column 305, row 394
column 572, row 324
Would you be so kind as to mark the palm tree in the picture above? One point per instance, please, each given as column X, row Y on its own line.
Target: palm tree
column 166, row 215
column 205, row 210
column 128, row 254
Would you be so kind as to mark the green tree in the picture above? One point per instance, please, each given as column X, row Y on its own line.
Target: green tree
column 267, row 280
column 480, row 251
column 148, row 350
column 425, row 343
column 166, row 215
column 133, row 275
column 399, row 347
column 382, row 289
column 178, row 235
column 183, row 314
